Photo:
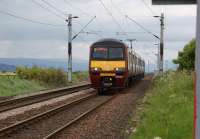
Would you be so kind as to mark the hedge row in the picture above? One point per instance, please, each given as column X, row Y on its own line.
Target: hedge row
column 49, row 76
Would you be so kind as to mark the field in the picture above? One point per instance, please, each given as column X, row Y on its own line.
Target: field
column 167, row 112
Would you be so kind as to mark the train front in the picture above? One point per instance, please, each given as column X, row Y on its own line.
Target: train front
column 108, row 64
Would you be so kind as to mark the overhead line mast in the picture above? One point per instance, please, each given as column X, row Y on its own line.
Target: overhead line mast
column 70, row 39
column 69, row 73
column 161, row 42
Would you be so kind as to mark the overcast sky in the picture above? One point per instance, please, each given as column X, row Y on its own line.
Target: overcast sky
column 23, row 39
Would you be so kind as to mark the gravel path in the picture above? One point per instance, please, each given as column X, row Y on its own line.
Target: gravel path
column 43, row 127
column 111, row 120
column 19, row 114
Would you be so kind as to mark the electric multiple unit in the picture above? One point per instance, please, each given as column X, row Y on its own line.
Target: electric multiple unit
column 113, row 65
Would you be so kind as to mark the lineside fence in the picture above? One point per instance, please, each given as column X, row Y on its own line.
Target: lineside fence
column 8, row 74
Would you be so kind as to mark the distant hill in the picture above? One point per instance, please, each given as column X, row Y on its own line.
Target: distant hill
column 168, row 64
column 6, row 67
column 78, row 65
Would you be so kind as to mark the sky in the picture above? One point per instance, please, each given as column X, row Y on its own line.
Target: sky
column 20, row 38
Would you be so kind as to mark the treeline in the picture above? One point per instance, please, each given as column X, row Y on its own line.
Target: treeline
column 48, row 76
column 186, row 58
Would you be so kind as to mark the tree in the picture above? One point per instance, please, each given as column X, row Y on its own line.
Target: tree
column 186, row 58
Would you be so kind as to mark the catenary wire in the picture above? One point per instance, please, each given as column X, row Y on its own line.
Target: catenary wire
column 52, row 6
column 83, row 12
column 149, row 8
column 110, row 13
column 149, row 32
column 83, row 28
column 29, row 20
column 47, row 9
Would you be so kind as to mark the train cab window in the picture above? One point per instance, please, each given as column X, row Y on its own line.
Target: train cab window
column 116, row 53
column 100, row 53
column 108, row 53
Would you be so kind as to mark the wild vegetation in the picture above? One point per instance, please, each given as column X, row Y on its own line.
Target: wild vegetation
column 186, row 58
column 167, row 112
column 46, row 76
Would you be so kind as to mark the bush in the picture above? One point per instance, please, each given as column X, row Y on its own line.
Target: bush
column 186, row 58
column 49, row 76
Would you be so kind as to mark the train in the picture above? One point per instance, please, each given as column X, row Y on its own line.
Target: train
column 113, row 65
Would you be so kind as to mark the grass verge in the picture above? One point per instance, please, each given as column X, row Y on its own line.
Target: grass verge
column 167, row 112
column 11, row 86
column 16, row 85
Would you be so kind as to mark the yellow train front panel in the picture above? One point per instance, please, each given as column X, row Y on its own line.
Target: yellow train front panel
column 107, row 65
column 104, row 73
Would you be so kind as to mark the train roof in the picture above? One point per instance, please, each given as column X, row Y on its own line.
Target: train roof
column 135, row 54
column 115, row 41
column 109, row 40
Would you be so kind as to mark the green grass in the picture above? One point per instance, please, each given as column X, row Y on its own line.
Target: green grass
column 80, row 76
column 168, row 110
column 14, row 86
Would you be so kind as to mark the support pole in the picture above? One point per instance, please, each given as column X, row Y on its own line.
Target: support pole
column 161, row 41
column 131, row 43
column 69, row 48
column 158, row 58
column 197, row 81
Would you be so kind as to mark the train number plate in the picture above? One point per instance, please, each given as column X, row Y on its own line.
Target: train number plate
column 107, row 84
column 107, row 74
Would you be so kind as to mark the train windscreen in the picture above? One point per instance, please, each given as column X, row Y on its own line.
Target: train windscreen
column 108, row 53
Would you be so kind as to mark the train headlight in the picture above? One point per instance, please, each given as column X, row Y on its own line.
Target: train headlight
column 95, row 70
column 119, row 71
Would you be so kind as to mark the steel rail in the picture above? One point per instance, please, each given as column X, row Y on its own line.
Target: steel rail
column 54, row 133
column 42, row 96
column 21, row 124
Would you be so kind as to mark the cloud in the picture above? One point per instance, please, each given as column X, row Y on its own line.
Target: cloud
column 20, row 38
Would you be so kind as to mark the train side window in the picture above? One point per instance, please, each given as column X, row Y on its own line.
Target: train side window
column 130, row 58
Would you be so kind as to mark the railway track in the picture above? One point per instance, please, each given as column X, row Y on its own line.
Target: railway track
column 44, row 95
column 48, row 124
